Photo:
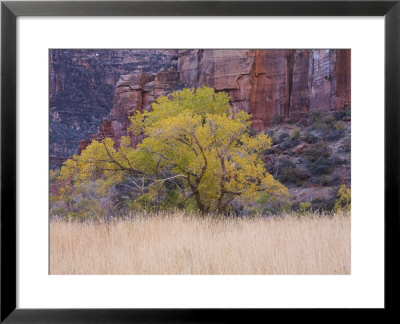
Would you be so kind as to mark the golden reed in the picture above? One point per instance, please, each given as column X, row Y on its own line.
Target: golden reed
column 180, row 244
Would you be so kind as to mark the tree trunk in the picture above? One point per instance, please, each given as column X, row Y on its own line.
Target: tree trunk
column 200, row 204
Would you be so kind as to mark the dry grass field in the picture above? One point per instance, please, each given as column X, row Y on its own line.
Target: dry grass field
column 179, row 244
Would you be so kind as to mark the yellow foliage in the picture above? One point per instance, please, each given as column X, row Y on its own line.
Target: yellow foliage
column 343, row 202
column 304, row 206
column 195, row 137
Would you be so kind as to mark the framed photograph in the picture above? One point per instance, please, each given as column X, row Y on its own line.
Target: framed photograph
column 197, row 161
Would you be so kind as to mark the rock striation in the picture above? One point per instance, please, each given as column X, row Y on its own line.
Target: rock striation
column 134, row 92
column 272, row 83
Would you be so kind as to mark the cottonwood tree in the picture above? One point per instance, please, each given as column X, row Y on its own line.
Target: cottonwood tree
column 193, row 138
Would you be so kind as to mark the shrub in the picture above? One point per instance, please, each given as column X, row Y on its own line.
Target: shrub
column 288, row 173
column 295, row 135
column 304, row 206
column 321, row 128
column 288, row 141
column 286, row 144
column 304, row 122
column 348, row 115
column 283, row 136
column 53, row 174
column 333, row 135
column 272, row 207
column 310, row 138
column 170, row 65
column 324, row 180
column 346, row 146
column 285, row 163
column 277, row 119
column 328, row 119
column 275, row 140
column 315, row 116
column 316, row 151
column 174, row 199
column 321, row 205
column 339, row 114
column 343, row 202
column 269, row 132
column 144, row 203
column 293, row 175
column 327, row 128
column 181, row 86
column 320, row 166
column 329, row 180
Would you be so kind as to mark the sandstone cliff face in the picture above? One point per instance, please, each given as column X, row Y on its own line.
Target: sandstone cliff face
column 269, row 83
column 82, row 87
column 134, row 92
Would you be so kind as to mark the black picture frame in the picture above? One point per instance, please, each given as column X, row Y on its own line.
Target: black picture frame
column 11, row 10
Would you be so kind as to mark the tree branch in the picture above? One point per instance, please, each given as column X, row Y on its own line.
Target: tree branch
column 117, row 163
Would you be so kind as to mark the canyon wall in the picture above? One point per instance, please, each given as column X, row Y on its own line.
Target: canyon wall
column 272, row 83
column 269, row 84
column 134, row 92
column 82, row 87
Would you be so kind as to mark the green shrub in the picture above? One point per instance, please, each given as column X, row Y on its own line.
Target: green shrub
column 327, row 128
column 174, row 199
column 285, row 163
column 343, row 202
column 144, row 203
column 304, row 206
column 288, row 173
column 272, row 207
column 322, row 128
column 339, row 126
column 321, row 205
column 275, row 140
column 328, row 119
column 326, row 180
column 283, row 136
column 315, row 116
column 295, row 134
column 316, row 151
column 292, row 175
column 320, row 166
column 53, row 175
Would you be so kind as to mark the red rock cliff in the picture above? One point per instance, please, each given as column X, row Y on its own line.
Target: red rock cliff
column 134, row 92
column 266, row 83
column 269, row 83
